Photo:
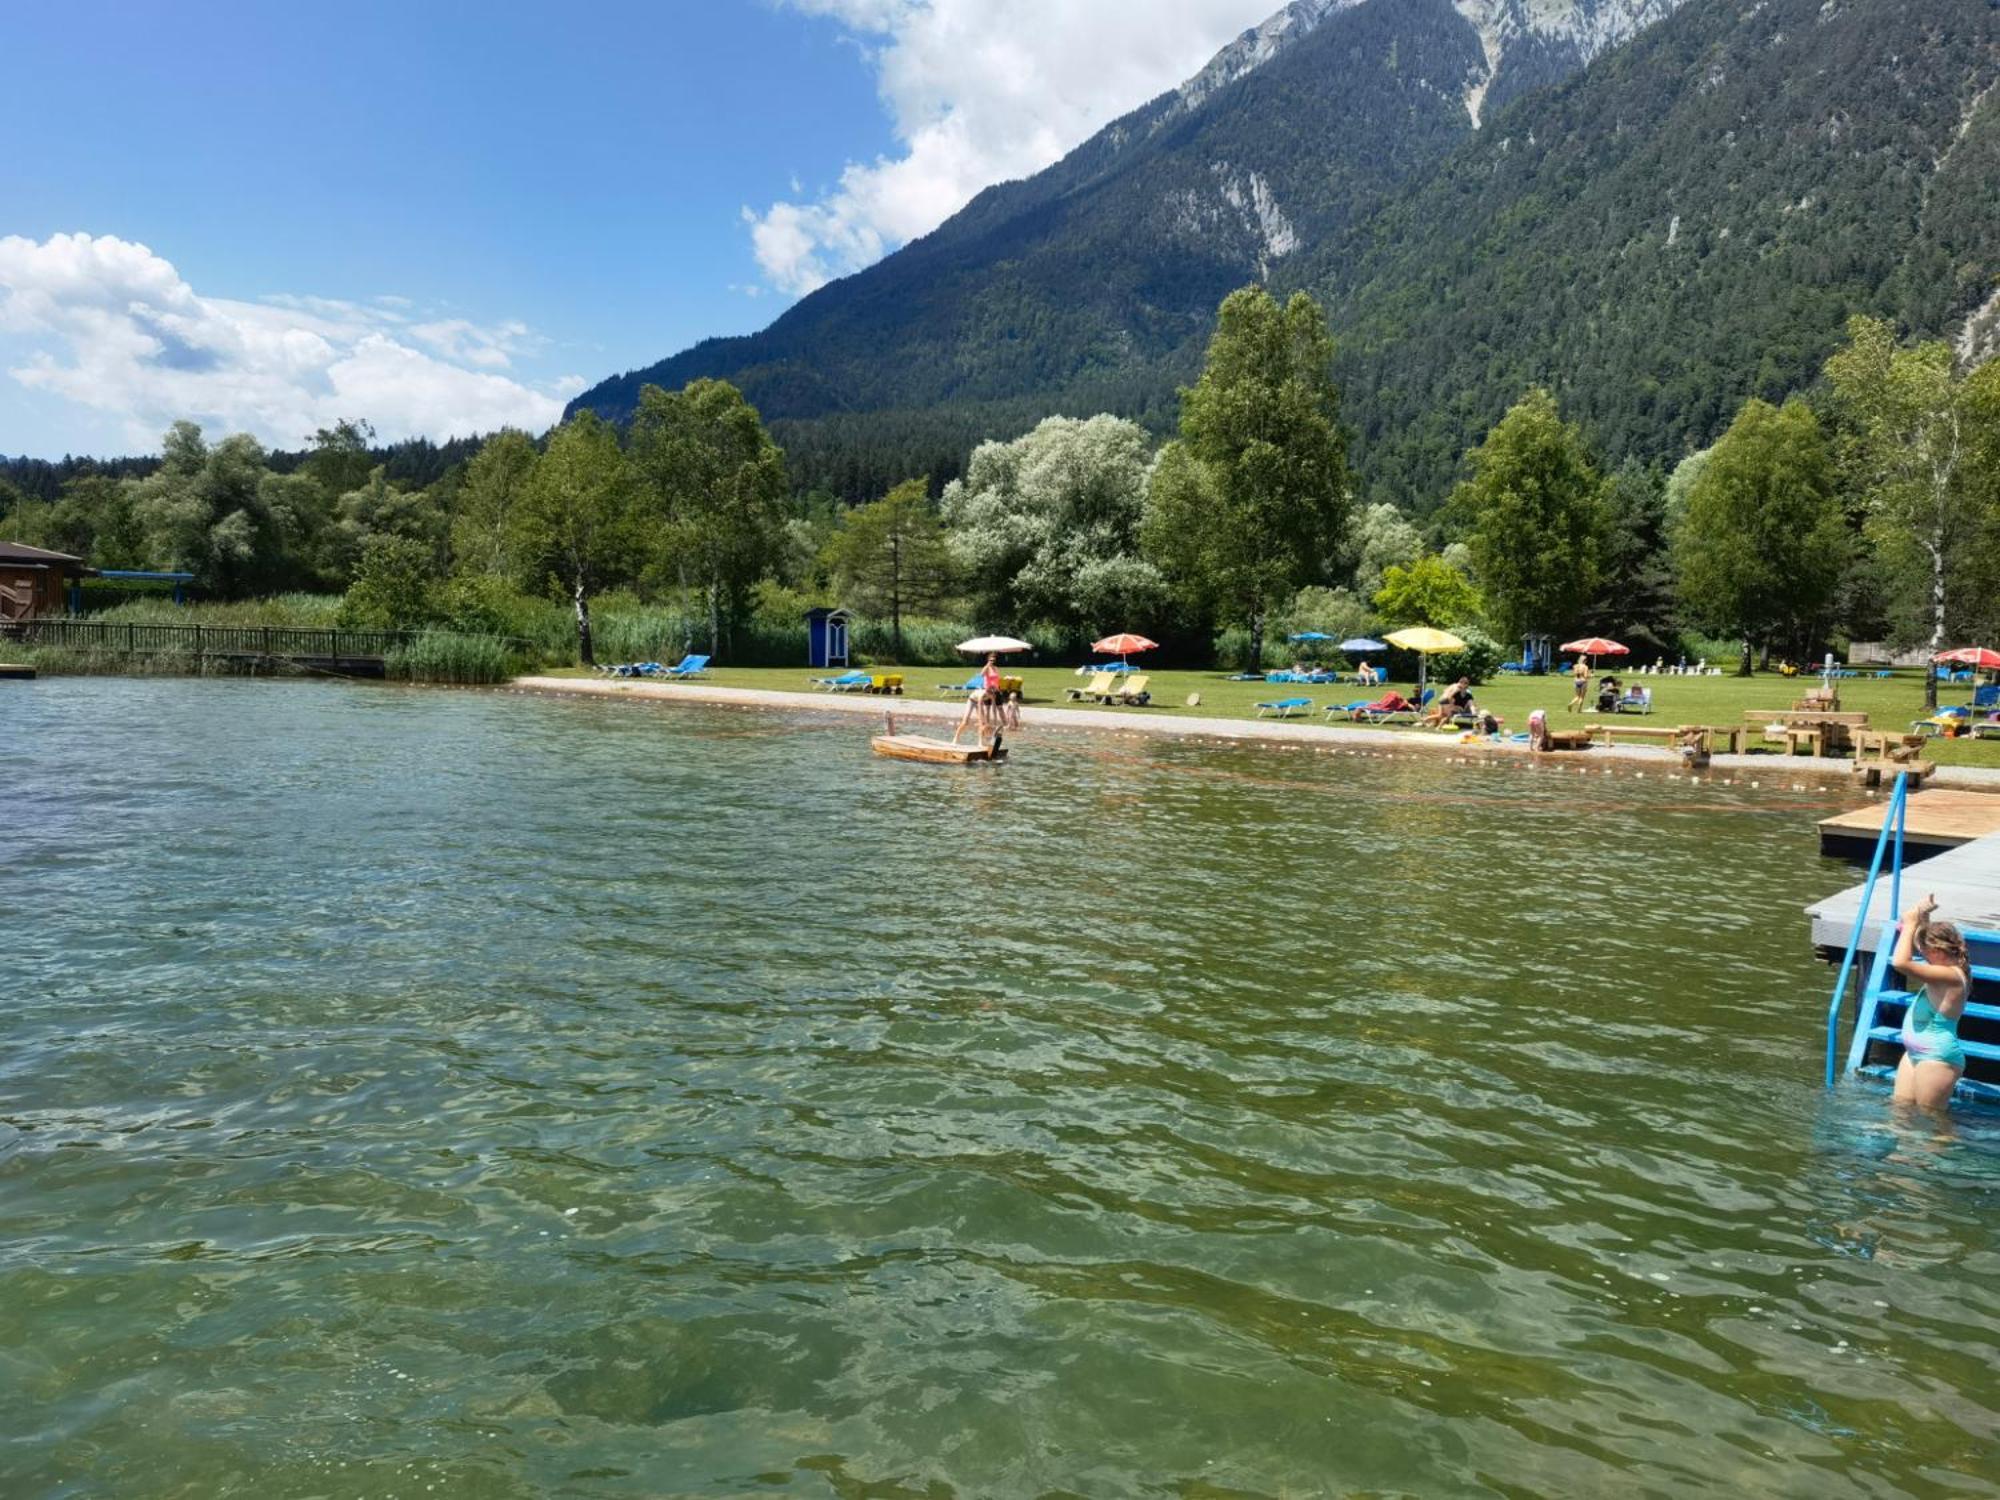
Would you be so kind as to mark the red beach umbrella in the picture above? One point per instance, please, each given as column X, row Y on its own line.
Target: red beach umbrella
column 1972, row 656
column 1596, row 645
column 1121, row 644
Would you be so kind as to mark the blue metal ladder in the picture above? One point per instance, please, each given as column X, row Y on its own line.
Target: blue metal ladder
column 1879, row 1016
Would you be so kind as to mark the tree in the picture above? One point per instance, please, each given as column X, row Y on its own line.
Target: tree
column 394, row 585
column 574, row 523
column 1534, row 507
column 1763, row 544
column 1252, row 502
column 1636, row 599
column 375, row 507
column 339, row 459
column 716, row 484
column 1907, row 437
column 203, row 511
column 495, row 480
column 891, row 557
column 1384, row 539
column 1047, row 527
column 1430, row 591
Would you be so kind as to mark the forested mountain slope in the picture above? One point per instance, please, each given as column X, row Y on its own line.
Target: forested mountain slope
column 1688, row 220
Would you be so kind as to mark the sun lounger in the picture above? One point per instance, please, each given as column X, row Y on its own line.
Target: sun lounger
column 962, row 689
column 1133, row 694
column 687, row 666
column 1284, row 708
column 1094, row 690
column 846, row 682
column 1370, row 714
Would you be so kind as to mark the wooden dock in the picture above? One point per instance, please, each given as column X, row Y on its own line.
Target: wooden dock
column 1939, row 819
column 1965, row 879
column 935, row 752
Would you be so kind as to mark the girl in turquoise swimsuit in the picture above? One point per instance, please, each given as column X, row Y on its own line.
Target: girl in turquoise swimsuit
column 1933, row 1060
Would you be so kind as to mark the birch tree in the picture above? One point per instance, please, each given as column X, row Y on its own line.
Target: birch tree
column 574, row 523
column 1906, row 445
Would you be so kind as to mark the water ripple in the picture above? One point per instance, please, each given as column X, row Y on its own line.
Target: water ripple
column 440, row 1093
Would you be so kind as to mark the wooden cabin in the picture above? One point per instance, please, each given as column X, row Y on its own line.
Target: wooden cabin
column 35, row 581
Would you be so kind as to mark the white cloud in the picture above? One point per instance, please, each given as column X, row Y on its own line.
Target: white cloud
column 979, row 92
column 137, row 342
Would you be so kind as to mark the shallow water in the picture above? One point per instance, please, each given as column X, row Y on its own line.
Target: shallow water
column 452, row 1094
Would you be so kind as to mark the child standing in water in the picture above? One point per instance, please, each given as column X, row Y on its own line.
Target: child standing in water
column 1933, row 1060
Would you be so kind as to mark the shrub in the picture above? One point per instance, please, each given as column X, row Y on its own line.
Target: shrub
column 1479, row 660
column 393, row 586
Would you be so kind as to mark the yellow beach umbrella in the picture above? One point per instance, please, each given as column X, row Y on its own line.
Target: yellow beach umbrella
column 1424, row 640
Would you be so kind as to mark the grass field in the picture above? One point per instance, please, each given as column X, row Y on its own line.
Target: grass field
column 1889, row 703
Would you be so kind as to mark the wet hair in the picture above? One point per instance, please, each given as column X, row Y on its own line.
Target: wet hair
column 1943, row 943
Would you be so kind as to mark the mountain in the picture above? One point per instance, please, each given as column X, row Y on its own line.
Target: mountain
column 1653, row 207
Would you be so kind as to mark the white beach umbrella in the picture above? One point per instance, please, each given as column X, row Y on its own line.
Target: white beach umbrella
column 995, row 645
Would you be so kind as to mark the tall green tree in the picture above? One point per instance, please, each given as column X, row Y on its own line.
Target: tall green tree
column 338, row 459
column 1907, row 443
column 205, row 511
column 1763, row 545
column 1637, row 595
column 1047, row 527
column 1430, row 591
column 495, row 480
column 1535, row 511
column 575, row 524
column 891, row 557
column 716, row 483
column 1253, row 501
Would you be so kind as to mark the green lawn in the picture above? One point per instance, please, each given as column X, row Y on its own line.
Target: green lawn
column 1890, row 703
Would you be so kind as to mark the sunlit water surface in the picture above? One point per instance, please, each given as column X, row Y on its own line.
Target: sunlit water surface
column 420, row 1093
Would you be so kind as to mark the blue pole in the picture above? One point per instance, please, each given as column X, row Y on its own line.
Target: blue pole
column 1901, row 809
column 1896, row 805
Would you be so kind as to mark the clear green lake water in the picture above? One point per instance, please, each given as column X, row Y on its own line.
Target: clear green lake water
column 421, row 1093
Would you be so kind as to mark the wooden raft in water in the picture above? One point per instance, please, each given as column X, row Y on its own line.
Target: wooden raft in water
column 936, row 752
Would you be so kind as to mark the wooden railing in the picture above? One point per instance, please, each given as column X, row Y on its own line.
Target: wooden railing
column 283, row 641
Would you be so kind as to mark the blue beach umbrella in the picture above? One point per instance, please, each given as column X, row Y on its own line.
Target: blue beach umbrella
column 1312, row 635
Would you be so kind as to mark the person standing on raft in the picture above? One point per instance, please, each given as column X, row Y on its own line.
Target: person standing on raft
column 983, row 702
column 1933, row 1060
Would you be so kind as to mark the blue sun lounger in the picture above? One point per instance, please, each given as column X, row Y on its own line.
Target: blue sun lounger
column 687, row 666
column 846, row 682
column 1283, row 707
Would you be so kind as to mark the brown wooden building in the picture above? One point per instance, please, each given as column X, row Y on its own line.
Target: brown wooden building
column 35, row 581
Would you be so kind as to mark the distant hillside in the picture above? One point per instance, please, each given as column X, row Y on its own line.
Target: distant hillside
column 1686, row 221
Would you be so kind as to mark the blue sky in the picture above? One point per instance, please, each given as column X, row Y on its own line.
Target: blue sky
column 442, row 216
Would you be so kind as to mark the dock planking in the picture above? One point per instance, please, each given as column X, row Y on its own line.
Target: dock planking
column 1939, row 819
column 1965, row 879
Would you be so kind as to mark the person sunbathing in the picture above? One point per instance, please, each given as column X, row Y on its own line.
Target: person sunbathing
column 1391, row 702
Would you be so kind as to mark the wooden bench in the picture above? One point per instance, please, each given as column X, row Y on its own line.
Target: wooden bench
column 1568, row 739
column 1728, row 738
column 1613, row 732
column 1880, row 754
column 1802, row 716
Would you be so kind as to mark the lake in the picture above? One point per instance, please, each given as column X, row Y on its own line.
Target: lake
column 425, row 1093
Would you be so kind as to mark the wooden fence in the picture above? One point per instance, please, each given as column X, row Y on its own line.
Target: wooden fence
column 281, row 642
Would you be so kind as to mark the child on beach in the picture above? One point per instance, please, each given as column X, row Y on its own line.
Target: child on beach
column 1933, row 1059
column 1582, row 677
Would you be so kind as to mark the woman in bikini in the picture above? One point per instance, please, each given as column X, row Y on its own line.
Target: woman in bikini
column 982, row 704
column 1933, row 1060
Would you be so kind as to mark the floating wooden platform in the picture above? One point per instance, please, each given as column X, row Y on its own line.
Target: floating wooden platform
column 16, row 671
column 935, row 752
column 1965, row 879
column 1939, row 819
